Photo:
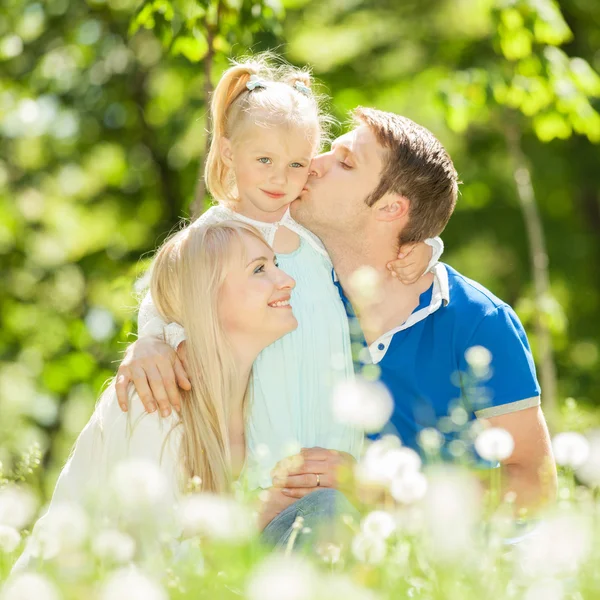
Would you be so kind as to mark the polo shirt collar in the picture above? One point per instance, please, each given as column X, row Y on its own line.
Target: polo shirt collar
column 439, row 295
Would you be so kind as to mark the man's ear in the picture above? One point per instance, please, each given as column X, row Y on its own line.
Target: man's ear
column 226, row 151
column 392, row 207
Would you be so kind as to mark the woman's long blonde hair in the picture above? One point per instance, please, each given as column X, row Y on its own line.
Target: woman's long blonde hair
column 187, row 275
column 286, row 100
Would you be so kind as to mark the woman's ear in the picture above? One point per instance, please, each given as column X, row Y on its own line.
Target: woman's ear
column 226, row 151
column 392, row 207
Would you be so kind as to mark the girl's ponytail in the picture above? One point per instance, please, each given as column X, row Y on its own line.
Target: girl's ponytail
column 231, row 86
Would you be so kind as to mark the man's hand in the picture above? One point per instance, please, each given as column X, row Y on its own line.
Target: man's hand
column 411, row 262
column 156, row 371
column 297, row 475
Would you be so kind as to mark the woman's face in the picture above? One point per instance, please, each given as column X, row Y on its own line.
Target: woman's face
column 254, row 300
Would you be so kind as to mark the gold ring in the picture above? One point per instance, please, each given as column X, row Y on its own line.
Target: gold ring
column 318, row 480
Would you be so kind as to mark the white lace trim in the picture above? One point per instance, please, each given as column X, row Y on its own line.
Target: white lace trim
column 219, row 213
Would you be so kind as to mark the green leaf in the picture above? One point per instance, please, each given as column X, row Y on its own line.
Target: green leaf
column 193, row 48
column 551, row 125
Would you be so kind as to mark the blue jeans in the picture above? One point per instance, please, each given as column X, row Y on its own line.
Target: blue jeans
column 320, row 510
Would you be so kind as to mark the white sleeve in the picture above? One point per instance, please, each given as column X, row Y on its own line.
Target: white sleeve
column 150, row 323
column 437, row 245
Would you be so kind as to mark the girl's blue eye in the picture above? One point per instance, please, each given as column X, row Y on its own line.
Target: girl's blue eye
column 259, row 269
column 264, row 160
column 297, row 165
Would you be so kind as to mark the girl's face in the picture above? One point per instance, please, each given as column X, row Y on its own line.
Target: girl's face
column 254, row 300
column 270, row 166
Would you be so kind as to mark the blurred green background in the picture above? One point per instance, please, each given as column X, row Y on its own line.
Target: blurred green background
column 103, row 130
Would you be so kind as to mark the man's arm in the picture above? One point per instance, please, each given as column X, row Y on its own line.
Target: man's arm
column 530, row 472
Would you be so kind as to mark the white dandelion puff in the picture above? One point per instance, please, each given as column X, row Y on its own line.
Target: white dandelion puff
column 283, row 578
column 10, row 539
column 570, row 449
column 364, row 405
column 26, row 586
column 494, row 444
column 378, row 523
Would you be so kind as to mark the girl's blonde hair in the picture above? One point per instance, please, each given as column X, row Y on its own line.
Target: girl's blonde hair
column 286, row 99
column 187, row 275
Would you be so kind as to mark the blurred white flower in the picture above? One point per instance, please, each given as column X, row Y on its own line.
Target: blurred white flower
column 570, row 449
column 409, row 487
column 365, row 285
column 452, row 506
column 29, row 586
column 494, row 444
column 9, row 538
column 547, row 589
column 329, row 553
column 131, row 584
column 113, row 545
column 283, row 578
column 62, row 529
column 341, row 586
column 479, row 359
column 589, row 471
column 378, row 523
column 369, row 549
column 217, row 517
column 430, row 439
column 139, row 484
column 384, row 461
column 364, row 405
column 556, row 547
column 17, row 506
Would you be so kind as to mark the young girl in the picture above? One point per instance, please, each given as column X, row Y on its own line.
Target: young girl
column 267, row 127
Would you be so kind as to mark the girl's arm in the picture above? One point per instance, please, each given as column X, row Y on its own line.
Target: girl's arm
column 152, row 363
column 414, row 260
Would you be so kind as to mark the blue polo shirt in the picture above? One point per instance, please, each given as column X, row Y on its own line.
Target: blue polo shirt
column 424, row 362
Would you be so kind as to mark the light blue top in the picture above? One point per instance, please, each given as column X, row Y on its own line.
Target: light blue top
column 295, row 376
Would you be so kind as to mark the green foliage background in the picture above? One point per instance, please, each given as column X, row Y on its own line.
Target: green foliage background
column 103, row 127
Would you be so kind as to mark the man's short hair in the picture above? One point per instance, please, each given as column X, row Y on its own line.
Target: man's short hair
column 417, row 167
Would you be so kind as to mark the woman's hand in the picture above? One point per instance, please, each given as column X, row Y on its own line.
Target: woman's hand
column 411, row 262
column 157, row 372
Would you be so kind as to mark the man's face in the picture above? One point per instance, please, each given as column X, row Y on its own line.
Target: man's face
column 333, row 199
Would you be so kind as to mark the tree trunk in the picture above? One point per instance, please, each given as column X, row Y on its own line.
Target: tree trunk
column 539, row 266
column 197, row 206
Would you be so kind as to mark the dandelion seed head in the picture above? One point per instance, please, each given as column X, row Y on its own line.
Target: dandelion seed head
column 27, row 586
column 409, row 487
column 17, row 506
column 283, row 578
column 494, row 444
column 364, row 405
column 369, row 549
column 216, row 517
column 378, row 523
column 570, row 449
column 113, row 545
column 10, row 539
column 131, row 584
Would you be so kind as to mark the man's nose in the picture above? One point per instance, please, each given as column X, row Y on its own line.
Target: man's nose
column 320, row 164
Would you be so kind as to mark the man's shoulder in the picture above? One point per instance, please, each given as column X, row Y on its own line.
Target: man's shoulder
column 469, row 298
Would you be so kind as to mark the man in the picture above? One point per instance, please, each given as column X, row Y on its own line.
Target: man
column 387, row 183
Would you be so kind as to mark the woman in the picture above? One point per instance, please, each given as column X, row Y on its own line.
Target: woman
column 221, row 283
